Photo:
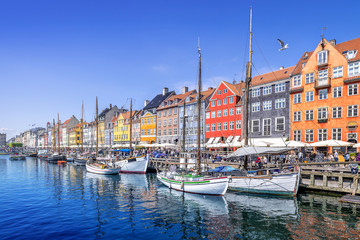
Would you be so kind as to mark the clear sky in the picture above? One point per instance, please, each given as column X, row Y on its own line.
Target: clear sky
column 56, row 54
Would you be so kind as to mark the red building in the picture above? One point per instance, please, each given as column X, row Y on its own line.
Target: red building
column 223, row 116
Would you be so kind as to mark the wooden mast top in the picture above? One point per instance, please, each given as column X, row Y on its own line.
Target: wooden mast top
column 199, row 116
column 58, row 132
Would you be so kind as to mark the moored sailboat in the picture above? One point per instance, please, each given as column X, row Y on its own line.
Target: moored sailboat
column 195, row 183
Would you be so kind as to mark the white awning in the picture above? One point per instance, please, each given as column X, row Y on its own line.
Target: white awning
column 210, row 140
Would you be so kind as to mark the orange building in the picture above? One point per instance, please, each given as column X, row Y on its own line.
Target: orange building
column 148, row 127
column 324, row 93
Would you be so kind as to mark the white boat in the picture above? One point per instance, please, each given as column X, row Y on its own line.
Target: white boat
column 195, row 184
column 133, row 165
column 286, row 184
column 101, row 169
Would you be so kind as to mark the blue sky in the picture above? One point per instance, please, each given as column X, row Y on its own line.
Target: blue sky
column 56, row 54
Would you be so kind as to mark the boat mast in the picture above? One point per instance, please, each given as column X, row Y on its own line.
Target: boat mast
column 184, row 124
column 199, row 114
column 247, row 85
column 97, row 128
column 58, row 130
column 53, row 137
column 130, row 127
column 82, row 127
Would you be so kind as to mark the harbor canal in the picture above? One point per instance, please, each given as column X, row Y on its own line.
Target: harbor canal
column 48, row 201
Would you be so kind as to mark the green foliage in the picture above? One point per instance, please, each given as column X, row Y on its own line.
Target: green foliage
column 16, row 144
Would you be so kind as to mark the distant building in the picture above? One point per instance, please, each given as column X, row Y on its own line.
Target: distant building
column 2, row 139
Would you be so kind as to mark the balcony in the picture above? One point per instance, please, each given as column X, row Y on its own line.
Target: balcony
column 352, row 79
column 322, row 83
column 296, row 89
column 322, row 120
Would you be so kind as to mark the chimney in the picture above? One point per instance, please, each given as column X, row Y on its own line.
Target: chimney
column 146, row 102
column 165, row 91
column 282, row 67
column 110, row 106
column 185, row 90
column 332, row 42
column 210, row 88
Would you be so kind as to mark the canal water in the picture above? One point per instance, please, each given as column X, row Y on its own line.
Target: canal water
column 39, row 200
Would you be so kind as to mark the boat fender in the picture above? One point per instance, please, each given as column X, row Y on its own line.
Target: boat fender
column 230, row 180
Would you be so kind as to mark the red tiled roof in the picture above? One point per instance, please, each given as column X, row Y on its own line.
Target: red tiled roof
column 204, row 95
column 114, row 119
column 353, row 44
column 272, row 76
column 126, row 115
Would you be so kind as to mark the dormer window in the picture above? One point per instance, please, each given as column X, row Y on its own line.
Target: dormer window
column 322, row 57
column 350, row 54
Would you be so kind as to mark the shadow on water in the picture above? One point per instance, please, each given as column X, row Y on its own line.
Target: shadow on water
column 67, row 202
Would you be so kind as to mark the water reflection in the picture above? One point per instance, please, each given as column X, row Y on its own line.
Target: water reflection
column 66, row 201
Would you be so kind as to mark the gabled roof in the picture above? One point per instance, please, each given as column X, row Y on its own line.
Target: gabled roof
column 171, row 101
column 204, row 94
column 234, row 88
column 114, row 119
column 127, row 114
column 157, row 100
column 272, row 76
column 303, row 60
column 103, row 113
column 353, row 44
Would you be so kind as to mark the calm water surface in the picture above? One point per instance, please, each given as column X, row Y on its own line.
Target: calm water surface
column 39, row 200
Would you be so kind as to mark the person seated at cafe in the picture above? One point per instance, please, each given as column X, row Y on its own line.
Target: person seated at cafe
column 354, row 168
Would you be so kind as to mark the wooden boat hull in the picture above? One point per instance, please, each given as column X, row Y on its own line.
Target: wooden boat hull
column 282, row 184
column 133, row 165
column 104, row 171
column 17, row 157
column 207, row 186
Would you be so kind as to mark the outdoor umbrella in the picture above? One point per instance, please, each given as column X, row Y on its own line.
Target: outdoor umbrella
column 331, row 143
column 291, row 144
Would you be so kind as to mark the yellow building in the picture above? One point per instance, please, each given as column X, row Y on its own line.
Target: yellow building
column 101, row 133
column 148, row 127
column 121, row 128
column 72, row 136
column 79, row 133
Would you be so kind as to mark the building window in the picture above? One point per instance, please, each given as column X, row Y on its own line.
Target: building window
column 280, row 124
column 337, row 112
column 279, row 87
column 337, row 92
column 266, row 126
column 175, row 111
column 170, row 122
column 309, row 115
column 323, row 94
column 158, row 114
column 218, row 92
column 213, row 127
column 255, row 125
column 267, row 105
column 255, row 107
column 164, row 122
column 159, row 123
column 207, row 115
column 323, row 77
column 175, row 131
column 219, row 102
column 238, row 110
column 309, row 78
column 224, row 101
column 164, row 132
column 322, row 57
column 213, row 114
column 337, row 134
column 169, row 112
column 297, row 98
column 231, row 111
column 353, row 89
column 256, row 92
column 213, row 103
column 322, row 134
column 225, row 91
column 267, row 90
column 219, row 113
column 231, row 125
column 309, row 96
column 225, row 112
column 322, row 114
column 337, row 72
column 297, row 116
column 170, row 132
column 297, row 81
column 309, row 135
column 225, row 125
column 297, row 135
column 175, row 121
column 354, row 69
column 219, row 126
column 280, row 103
column 238, row 124
column 231, row 100
column 352, row 111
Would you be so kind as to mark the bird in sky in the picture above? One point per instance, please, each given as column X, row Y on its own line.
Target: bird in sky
column 283, row 45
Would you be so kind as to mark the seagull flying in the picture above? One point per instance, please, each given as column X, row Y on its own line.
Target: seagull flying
column 283, row 45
